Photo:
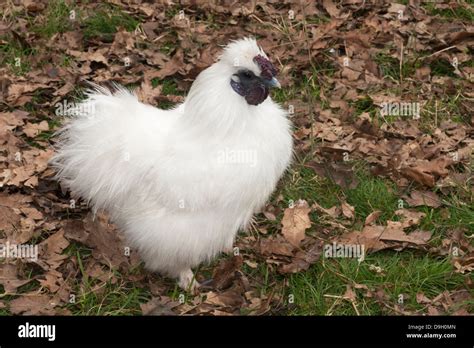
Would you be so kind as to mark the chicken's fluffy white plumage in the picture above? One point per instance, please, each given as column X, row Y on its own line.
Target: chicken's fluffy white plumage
column 179, row 183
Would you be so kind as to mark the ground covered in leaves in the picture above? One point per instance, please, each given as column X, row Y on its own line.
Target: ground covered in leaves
column 381, row 98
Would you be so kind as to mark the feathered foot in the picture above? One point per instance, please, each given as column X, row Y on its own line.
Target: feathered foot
column 187, row 281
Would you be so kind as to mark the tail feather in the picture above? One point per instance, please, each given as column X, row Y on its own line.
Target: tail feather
column 95, row 142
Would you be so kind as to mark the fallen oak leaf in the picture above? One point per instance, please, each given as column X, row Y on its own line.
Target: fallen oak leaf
column 423, row 198
column 172, row 66
column 51, row 251
column 419, row 176
column 9, row 278
column 162, row 305
column 422, row 299
column 276, row 246
column 376, row 238
column 303, row 259
column 295, row 222
column 425, row 172
column 465, row 264
column 333, row 212
column 348, row 210
column 372, row 217
column 409, row 217
column 33, row 129
column 107, row 244
column 340, row 173
column 224, row 273
column 34, row 304
column 229, row 298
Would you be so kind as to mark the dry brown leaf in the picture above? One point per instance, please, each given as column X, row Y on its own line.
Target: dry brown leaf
column 147, row 93
column 303, row 259
column 341, row 173
column 172, row 66
column 376, row 238
column 348, row 210
column 34, row 304
column 9, row 278
column 333, row 212
column 224, row 274
column 229, row 298
column 421, row 198
column 276, row 246
column 162, row 305
column 422, row 299
column 372, row 217
column 410, row 217
column 106, row 243
column 295, row 222
column 50, row 255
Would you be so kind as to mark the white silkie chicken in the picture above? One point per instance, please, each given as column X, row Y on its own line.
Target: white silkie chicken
column 180, row 183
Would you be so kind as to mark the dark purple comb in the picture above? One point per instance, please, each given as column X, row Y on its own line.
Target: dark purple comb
column 268, row 70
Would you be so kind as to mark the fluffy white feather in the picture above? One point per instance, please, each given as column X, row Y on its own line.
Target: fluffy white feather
column 180, row 183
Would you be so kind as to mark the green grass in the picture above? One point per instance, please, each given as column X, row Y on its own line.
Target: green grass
column 56, row 19
column 105, row 21
column 167, row 48
column 441, row 67
column 16, row 57
column 405, row 272
column 463, row 12
column 302, row 183
column 402, row 273
column 373, row 193
column 119, row 298
column 365, row 105
column 168, row 86
column 390, row 66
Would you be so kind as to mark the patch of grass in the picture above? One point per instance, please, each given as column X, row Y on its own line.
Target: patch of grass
column 462, row 12
column 66, row 61
column 166, row 105
column 113, row 297
column 390, row 66
column 168, row 86
column 119, row 298
column 402, row 274
column 75, row 249
column 28, row 287
column 167, row 48
column 364, row 105
column 442, row 67
column 324, row 67
column 15, row 56
column 56, row 19
column 406, row 273
column 281, row 95
column 264, row 277
column 457, row 214
column 373, row 193
column 447, row 107
column 105, row 21
column 172, row 11
column 303, row 183
column 318, row 19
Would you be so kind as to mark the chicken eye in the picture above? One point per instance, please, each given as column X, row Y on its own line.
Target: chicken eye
column 248, row 74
